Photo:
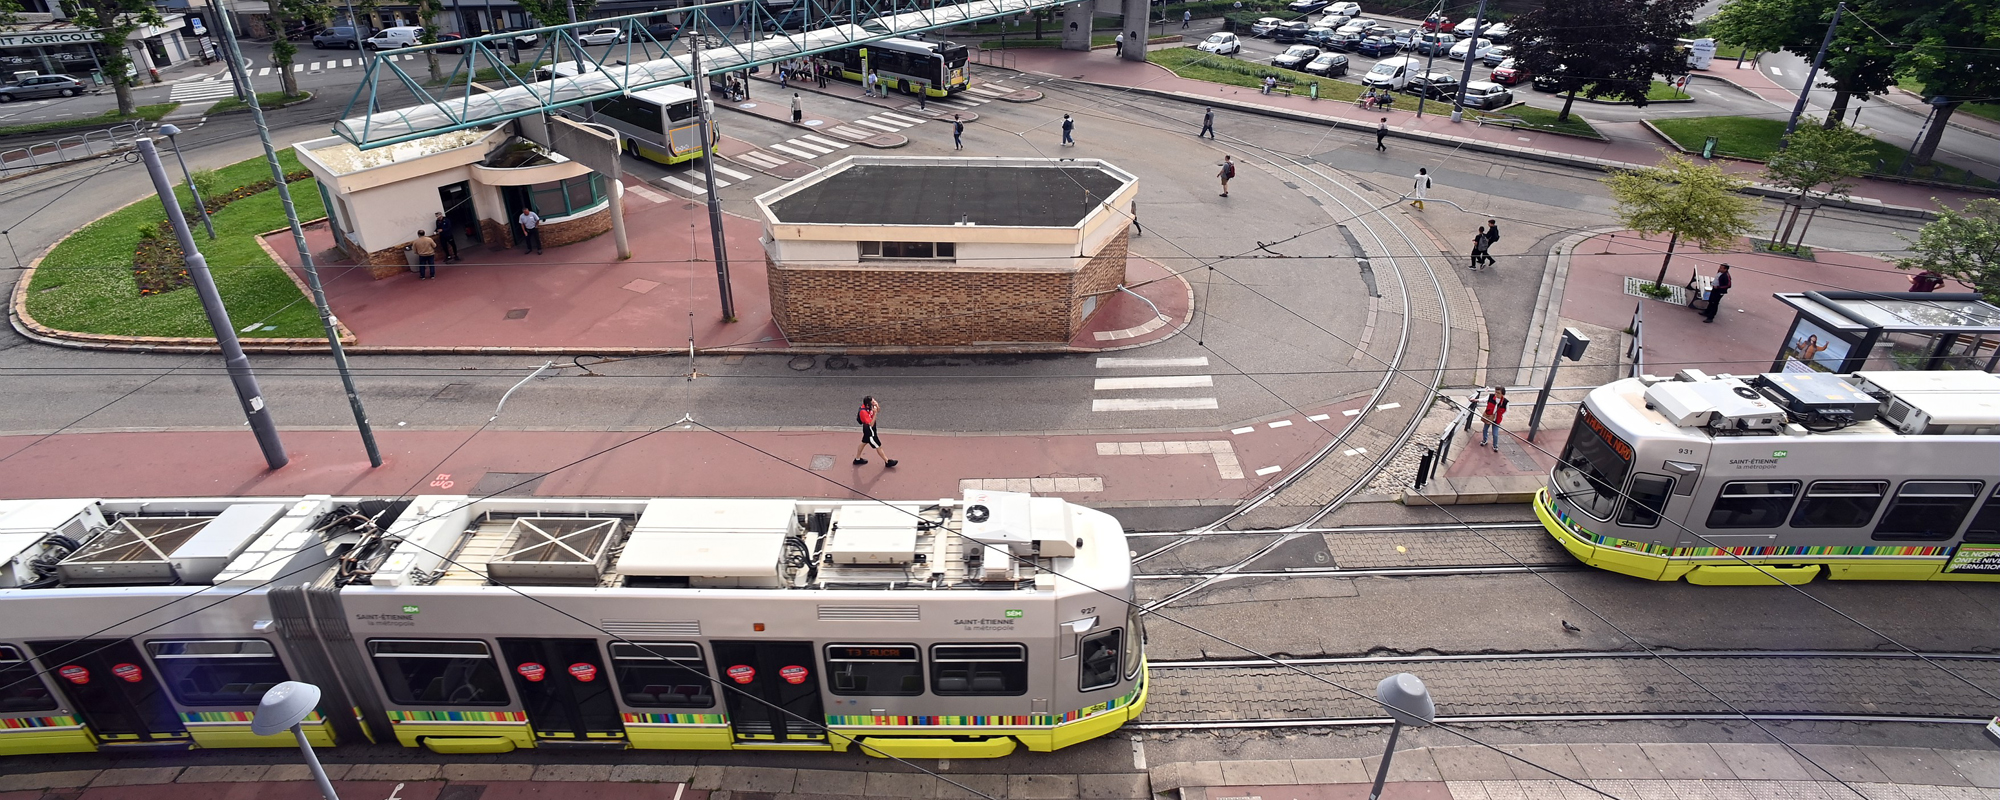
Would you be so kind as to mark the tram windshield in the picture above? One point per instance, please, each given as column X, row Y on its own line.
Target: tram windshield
column 1593, row 467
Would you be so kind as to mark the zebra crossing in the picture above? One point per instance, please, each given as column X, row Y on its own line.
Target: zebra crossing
column 692, row 185
column 332, row 63
column 207, row 89
column 1153, row 383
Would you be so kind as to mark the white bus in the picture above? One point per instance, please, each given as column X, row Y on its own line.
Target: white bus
column 660, row 124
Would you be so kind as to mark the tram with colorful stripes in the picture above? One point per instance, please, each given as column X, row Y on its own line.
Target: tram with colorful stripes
column 950, row 629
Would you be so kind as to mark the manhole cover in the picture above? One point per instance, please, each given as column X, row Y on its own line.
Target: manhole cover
column 822, row 462
column 508, row 484
column 517, row 313
column 801, row 363
column 837, row 362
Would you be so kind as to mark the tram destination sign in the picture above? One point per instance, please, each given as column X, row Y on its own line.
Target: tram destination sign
column 45, row 38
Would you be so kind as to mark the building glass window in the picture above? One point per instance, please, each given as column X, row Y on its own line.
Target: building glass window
column 1753, row 504
column 979, row 669
column 1097, row 659
column 431, row 672
column 218, row 672
column 944, row 251
column 874, row 669
column 20, row 688
column 567, row 196
column 1839, row 504
column 662, row 675
column 1927, row 510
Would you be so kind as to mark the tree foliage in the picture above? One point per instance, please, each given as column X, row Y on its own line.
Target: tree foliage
column 283, row 14
column 1604, row 48
column 556, row 12
column 1696, row 202
column 114, row 20
column 1954, row 51
column 1858, row 63
column 428, row 12
column 1820, row 156
column 1964, row 247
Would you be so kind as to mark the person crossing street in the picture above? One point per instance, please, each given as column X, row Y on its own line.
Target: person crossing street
column 870, row 410
column 1423, row 185
column 1207, row 124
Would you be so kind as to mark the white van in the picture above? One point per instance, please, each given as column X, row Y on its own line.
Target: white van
column 1393, row 73
column 392, row 38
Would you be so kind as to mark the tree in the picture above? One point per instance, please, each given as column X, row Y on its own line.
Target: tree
column 283, row 13
column 1816, row 156
column 1604, row 48
column 1964, row 247
column 114, row 20
column 427, row 14
column 1690, row 201
column 1858, row 63
column 1955, row 53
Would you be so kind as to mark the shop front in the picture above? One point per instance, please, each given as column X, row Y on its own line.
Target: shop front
column 56, row 50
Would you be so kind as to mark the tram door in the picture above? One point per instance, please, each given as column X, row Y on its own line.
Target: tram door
column 780, row 675
column 565, row 689
column 113, row 688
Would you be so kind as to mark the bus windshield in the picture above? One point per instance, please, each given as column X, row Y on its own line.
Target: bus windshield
column 1593, row 467
column 955, row 55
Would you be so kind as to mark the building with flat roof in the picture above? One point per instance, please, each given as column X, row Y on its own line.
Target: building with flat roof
column 897, row 251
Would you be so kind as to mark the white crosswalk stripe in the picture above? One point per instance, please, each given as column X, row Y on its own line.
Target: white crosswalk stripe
column 826, row 142
column 801, row 143
column 899, row 118
column 1158, row 404
column 345, row 62
column 1158, row 382
column 793, row 151
column 1109, row 362
column 761, row 160
column 647, row 194
column 850, row 132
column 211, row 89
column 1153, row 382
column 989, row 91
column 263, row 72
column 722, row 170
column 684, row 186
column 877, row 125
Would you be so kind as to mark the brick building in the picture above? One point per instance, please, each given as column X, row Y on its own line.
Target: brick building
column 878, row 250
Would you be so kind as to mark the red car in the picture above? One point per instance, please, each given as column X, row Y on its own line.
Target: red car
column 1439, row 24
column 1509, row 73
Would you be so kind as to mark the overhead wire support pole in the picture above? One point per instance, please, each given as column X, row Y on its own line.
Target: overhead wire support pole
column 702, row 104
column 1805, row 92
column 1471, row 53
column 312, row 272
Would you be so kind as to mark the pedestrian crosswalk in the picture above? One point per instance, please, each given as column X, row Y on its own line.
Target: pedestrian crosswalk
column 336, row 63
column 691, row 184
column 1153, row 383
column 210, row 89
column 974, row 96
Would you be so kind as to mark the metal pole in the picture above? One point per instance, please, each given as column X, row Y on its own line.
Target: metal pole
column 708, row 178
column 312, row 761
column 1471, row 51
column 1535, row 419
column 575, row 48
column 1382, row 772
column 239, row 78
column 192, row 190
column 312, row 274
column 218, row 317
column 1430, row 62
column 1805, row 94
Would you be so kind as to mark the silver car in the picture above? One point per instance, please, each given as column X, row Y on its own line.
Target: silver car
column 42, row 86
column 1487, row 95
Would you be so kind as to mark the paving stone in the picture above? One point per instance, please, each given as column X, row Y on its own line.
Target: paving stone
column 1408, row 765
column 573, row 772
column 901, row 784
column 392, row 772
column 1649, row 790
column 1761, row 762
column 1981, row 767
column 1187, row 774
column 300, row 772
column 46, row 780
column 1915, row 765
column 757, row 779
column 136, row 776
column 1470, row 764
column 1840, row 762
column 1330, row 770
column 1614, row 762
column 1258, row 773
column 1466, row 790
column 653, row 773
column 706, row 777
column 245, row 773
column 1114, row 786
column 1555, row 757
column 1686, row 762
column 1041, row 787
column 970, row 787
column 483, row 773
column 830, row 781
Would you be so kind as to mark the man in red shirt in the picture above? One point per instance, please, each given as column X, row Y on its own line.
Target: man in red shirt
column 869, row 438
column 1496, row 410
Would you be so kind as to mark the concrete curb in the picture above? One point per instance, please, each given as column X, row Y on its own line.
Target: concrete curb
column 1542, row 335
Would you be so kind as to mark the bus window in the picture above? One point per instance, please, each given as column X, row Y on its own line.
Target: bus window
column 1927, row 510
column 20, row 688
column 430, row 672
column 218, row 672
column 1592, row 468
column 662, row 675
column 979, row 669
column 1985, row 528
column 1097, row 659
column 634, row 112
column 1753, row 504
column 873, row 669
column 1645, row 501
column 1839, row 504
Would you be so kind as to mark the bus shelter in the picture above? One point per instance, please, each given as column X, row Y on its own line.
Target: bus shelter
column 1846, row 332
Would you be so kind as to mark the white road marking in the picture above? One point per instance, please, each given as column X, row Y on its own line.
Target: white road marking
column 346, row 62
column 1225, row 455
column 1036, row 485
column 898, row 118
column 684, row 185
column 649, row 195
column 1138, row 754
column 1355, row 452
column 1161, row 382
column 793, row 151
column 263, row 72
column 1317, row 418
column 762, row 160
column 802, row 143
column 1776, row 71
column 889, row 128
column 988, row 91
column 1241, row 431
column 1267, row 471
column 1387, row 406
column 315, row 65
column 1163, row 404
column 850, row 132
column 1283, row 423
column 1351, row 412
column 1109, row 362
column 826, row 142
column 741, row 176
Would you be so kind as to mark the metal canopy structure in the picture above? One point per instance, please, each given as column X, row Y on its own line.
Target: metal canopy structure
column 736, row 34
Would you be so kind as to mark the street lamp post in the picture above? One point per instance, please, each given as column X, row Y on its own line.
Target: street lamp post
column 170, row 132
column 1409, row 703
column 285, row 707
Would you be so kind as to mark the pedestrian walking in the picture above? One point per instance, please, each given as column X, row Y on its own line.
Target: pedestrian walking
column 820, row 70
column 426, row 251
column 531, row 231
column 1723, row 283
column 784, row 76
column 869, row 437
column 1423, row 185
column 1120, row 44
column 1228, row 171
column 1479, row 257
column 446, row 238
column 1926, row 281
column 1496, row 410
column 1187, row 17
column 1069, row 127
column 923, row 93
column 957, row 133
column 1492, row 232
column 1207, row 124
column 1381, row 133
column 798, row 109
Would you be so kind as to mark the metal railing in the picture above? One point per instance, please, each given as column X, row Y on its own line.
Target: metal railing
column 1637, row 351
column 89, row 144
column 1002, row 57
column 1436, row 457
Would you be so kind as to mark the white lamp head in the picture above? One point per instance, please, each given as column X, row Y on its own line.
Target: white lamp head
column 1405, row 697
column 283, row 706
column 169, row 131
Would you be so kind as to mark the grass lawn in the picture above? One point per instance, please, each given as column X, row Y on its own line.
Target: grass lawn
column 1661, row 90
column 1731, row 52
column 1756, row 138
column 86, row 283
column 151, row 113
column 265, row 99
column 1545, row 119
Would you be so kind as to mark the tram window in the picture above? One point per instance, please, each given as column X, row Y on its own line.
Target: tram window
column 1097, row 659
column 1646, row 499
column 20, row 688
column 1753, row 504
column 1927, row 510
column 662, row 675
column 1591, row 469
column 874, row 669
column 1985, row 528
column 218, row 672
column 979, row 669
column 433, row 672
column 1839, row 504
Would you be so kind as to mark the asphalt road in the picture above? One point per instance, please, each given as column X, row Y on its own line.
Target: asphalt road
column 1893, row 118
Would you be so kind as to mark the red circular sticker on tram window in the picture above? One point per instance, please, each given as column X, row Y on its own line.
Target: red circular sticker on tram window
column 75, row 674
column 532, row 671
column 742, row 673
column 583, row 672
column 793, row 675
column 128, row 673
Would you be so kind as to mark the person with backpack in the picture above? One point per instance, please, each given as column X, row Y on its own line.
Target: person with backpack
column 1228, row 171
column 1479, row 257
column 957, row 133
column 870, row 408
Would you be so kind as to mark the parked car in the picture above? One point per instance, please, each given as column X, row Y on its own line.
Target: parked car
column 1509, row 72
column 1496, row 55
column 1487, row 94
column 1498, row 31
column 1435, row 43
column 1438, row 24
column 1470, row 48
column 42, row 86
column 338, row 36
column 1376, row 47
column 1332, row 65
column 1547, row 81
column 1263, row 27
column 1297, row 57
column 1344, row 10
column 451, row 37
column 392, row 38
column 524, row 41
column 1435, row 85
column 1343, row 41
column 1290, row 32
column 1405, row 38
column 1222, row 44
column 1318, row 35
column 1379, row 29
column 603, row 36
column 664, row 31
column 1307, row 6
column 1392, row 73
column 1356, row 25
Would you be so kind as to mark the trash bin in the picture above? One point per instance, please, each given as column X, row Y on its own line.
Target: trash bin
column 1708, row 148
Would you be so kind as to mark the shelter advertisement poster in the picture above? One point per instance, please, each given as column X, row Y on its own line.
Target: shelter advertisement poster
column 1812, row 349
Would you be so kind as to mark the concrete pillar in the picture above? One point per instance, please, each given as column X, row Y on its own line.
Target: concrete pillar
column 1136, row 28
column 1075, row 20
